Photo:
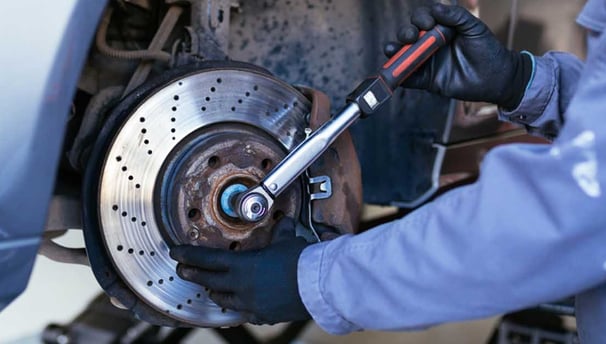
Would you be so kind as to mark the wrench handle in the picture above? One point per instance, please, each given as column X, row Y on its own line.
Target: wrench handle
column 412, row 56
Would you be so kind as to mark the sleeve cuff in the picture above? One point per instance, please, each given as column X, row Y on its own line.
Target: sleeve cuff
column 538, row 97
column 309, row 278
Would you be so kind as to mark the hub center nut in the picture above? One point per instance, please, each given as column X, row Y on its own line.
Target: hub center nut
column 229, row 198
column 253, row 207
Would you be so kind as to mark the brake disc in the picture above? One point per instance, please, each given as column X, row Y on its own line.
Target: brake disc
column 159, row 176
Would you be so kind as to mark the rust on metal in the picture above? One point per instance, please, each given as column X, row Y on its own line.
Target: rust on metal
column 228, row 154
column 340, row 162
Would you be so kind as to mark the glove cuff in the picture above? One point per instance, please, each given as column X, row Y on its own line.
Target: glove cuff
column 522, row 75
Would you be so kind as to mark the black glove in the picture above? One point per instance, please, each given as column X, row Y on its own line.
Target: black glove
column 475, row 66
column 262, row 284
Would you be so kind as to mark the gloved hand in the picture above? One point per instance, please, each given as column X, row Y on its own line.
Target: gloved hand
column 262, row 284
column 475, row 66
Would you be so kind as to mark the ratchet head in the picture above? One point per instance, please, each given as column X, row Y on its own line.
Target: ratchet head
column 253, row 205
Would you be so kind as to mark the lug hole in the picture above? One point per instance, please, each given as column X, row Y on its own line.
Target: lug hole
column 234, row 246
column 194, row 214
column 278, row 215
column 213, row 162
column 266, row 164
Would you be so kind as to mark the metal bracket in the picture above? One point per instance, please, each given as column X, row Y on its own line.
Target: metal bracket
column 325, row 186
column 209, row 30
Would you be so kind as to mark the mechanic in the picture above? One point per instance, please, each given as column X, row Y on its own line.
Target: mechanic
column 532, row 229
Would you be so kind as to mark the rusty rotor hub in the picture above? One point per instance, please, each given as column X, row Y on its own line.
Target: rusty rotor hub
column 199, row 177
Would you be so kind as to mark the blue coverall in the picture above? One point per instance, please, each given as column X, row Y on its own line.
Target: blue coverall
column 532, row 229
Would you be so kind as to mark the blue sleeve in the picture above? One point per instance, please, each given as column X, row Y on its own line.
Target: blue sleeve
column 532, row 229
column 550, row 89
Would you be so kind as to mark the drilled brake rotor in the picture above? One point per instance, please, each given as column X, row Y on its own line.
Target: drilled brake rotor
column 166, row 172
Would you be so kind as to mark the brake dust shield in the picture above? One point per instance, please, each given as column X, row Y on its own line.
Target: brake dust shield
column 159, row 170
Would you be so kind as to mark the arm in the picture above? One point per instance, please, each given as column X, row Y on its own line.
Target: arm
column 552, row 85
column 511, row 240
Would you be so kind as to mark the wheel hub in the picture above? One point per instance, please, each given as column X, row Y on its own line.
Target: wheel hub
column 202, row 176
